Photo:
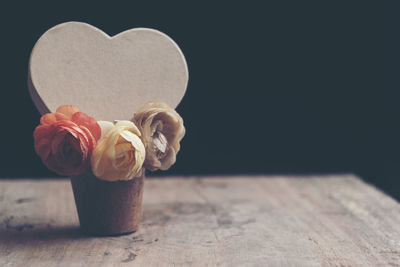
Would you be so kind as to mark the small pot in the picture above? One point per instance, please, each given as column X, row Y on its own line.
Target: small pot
column 108, row 208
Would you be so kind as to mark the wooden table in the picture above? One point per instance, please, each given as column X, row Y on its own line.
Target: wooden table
column 214, row 221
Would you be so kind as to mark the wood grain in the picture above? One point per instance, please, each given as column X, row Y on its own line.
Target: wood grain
column 215, row 221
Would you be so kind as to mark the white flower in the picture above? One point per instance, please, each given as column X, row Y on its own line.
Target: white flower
column 120, row 153
column 162, row 129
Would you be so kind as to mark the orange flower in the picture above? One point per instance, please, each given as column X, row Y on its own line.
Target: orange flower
column 65, row 140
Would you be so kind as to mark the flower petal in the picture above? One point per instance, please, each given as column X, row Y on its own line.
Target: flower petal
column 82, row 119
column 134, row 140
column 40, row 132
column 67, row 110
column 51, row 118
column 106, row 127
column 130, row 126
column 90, row 137
column 169, row 160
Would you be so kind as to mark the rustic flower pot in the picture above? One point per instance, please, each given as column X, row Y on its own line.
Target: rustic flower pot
column 108, row 208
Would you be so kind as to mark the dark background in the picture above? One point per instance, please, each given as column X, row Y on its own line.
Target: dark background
column 278, row 87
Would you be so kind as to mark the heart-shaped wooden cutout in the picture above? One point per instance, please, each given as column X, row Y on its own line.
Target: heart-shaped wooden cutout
column 107, row 77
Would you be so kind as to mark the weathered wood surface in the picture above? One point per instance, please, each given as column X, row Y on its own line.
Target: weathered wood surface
column 240, row 221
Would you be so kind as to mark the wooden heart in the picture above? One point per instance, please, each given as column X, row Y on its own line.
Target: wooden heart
column 107, row 77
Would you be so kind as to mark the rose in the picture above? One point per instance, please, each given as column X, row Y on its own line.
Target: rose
column 64, row 140
column 120, row 153
column 162, row 129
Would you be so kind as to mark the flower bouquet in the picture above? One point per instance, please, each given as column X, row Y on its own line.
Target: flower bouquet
column 107, row 160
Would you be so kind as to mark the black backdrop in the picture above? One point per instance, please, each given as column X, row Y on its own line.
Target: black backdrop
column 278, row 87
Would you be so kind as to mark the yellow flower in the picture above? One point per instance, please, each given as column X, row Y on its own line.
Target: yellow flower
column 120, row 153
column 162, row 129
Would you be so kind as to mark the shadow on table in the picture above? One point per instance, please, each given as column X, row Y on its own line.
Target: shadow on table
column 25, row 235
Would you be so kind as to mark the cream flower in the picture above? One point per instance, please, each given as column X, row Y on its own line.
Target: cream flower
column 162, row 129
column 120, row 153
